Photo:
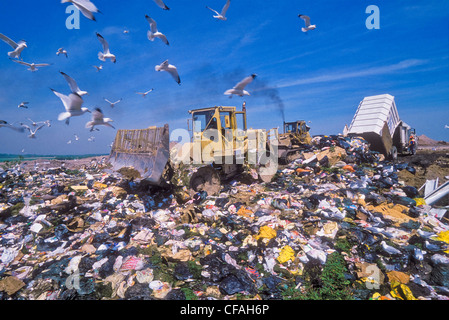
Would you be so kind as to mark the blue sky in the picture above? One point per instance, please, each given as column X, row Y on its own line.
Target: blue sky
column 319, row 76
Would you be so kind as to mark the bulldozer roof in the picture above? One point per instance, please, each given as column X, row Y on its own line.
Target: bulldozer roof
column 222, row 108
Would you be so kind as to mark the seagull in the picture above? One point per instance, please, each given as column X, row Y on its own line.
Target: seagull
column 112, row 103
column 76, row 137
column 86, row 7
column 161, row 4
column 32, row 66
column 91, row 139
column 98, row 120
column 72, row 104
column 98, row 68
column 35, row 123
column 238, row 88
column 153, row 32
column 164, row 66
column 307, row 21
column 144, row 94
column 62, row 51
column 446, row 126
column 23, row 105
column 32, row 134
column 126, row 31
column 73, row 86
column 106, row 54
column 5, row 124
column 221, row 16
column 18, row 47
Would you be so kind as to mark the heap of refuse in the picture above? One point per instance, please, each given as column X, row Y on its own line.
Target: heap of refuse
column 336, row 223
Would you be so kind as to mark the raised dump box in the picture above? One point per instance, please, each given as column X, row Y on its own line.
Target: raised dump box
column 143, row 153
column 377, row 121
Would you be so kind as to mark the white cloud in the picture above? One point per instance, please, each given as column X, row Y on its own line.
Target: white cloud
column 403, row 65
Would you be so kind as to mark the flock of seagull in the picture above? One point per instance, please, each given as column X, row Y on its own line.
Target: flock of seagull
column 73, row 101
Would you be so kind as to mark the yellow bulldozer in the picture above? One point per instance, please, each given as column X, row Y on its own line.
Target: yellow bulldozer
column 217, row 143
column 295, row 137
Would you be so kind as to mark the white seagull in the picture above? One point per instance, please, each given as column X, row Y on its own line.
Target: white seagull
column 100, row 67
column 73, row 86
column 164, row 66
column 72, row 104
column 144, row 94
column 112, row 104
column 161, row 4
column 153, row 32
column 32, row 131
column 18, row 47
column 86, row 7
column 307, row 21
column 98, row 120
column 4, row 124
column 106, row 54
column 239, row 87
column 62, row 51
column 23, row 105
column 221, row 15
column 32, row 66
column 446, row 126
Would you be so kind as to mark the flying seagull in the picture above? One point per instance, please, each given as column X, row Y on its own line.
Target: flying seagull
column 86, row 7
column 307, row 21
column 164, row 66
column 446, row 126
column 4, row 124
column 161, row 4
column 112, row 103
column 35, row 123
column 153, row 32
column 23, row 105
column 62, row 51
column 144, row 94
column 32, row 131
column 73, row 86
column 106, row 54
column 98, row 68
column 98, row 120
column 32, row 66
column 221, row 15
column 18, row 47
column 72, row 104
column 238, row 89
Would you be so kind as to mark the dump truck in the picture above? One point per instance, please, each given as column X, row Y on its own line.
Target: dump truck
column 292, row 141
column 219, row 145
column 378, row 122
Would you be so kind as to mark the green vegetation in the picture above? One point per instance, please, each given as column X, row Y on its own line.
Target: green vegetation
column 323, row 283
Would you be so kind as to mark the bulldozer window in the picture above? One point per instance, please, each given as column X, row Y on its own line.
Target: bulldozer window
column 290, row 127
column 201, row 120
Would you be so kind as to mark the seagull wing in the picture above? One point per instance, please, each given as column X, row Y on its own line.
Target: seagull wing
column 8, row 41
column 21, row 62
column 162, row 37
column 40, row 127
column 42, row 64
column 306, row 19
column 225, row 8
column 104, row 43
column 75, row 102
column 97, row 115
column 87, row 4
column 162, row 66
column 72, row 83
column 153, row 25
column 65, row 99
column 161, row 4
column 216, row 12
column 242, row 84
column 174, row 73
column 118, row 101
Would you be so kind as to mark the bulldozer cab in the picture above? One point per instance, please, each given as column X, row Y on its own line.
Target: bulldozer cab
column 220, row 131
column 299, row 129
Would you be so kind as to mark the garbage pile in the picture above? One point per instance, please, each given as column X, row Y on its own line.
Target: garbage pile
column 336, row 223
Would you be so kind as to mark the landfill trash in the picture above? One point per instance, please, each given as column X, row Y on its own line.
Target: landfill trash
column 90, row 233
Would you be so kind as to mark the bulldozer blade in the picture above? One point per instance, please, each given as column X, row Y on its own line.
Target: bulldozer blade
column 141, row 154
